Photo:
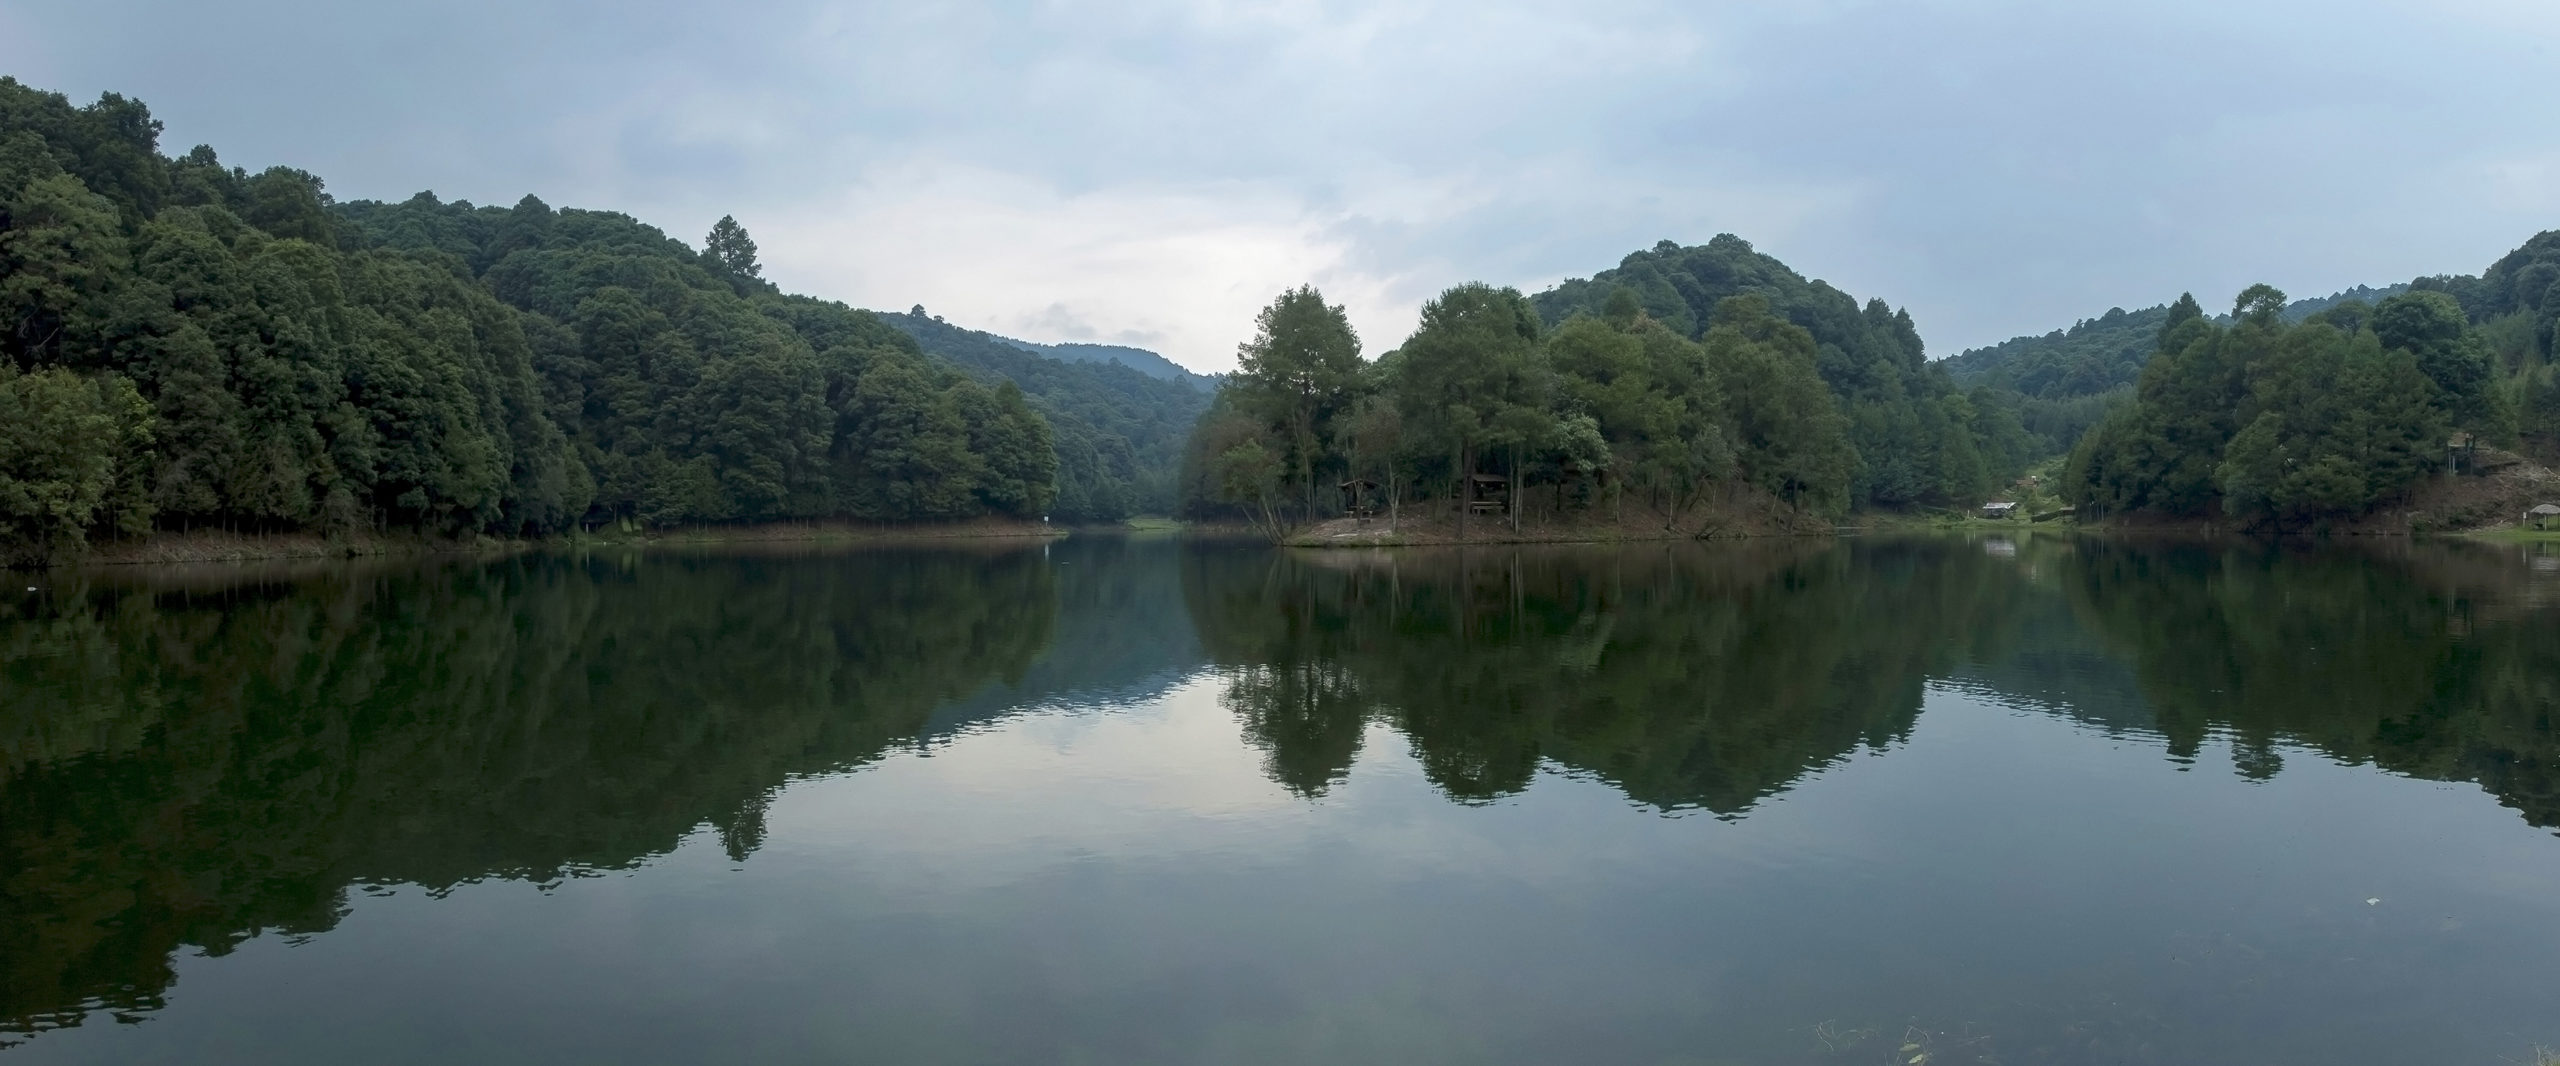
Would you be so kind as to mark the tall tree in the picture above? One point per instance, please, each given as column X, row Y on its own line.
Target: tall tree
column 1473, row 376
column 1297, row 375
column 1788, row 436
column 730, row 249
column 2431, row 327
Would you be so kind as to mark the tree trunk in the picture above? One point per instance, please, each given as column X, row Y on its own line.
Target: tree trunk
column 1466, row 488
column 1519, row 488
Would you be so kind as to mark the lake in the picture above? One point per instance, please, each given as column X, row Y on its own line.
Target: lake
column 1148, row 800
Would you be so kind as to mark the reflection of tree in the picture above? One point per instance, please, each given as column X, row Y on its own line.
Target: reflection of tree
column 1306, row 716
column 1688, row 676
column 196, row 768
column 2413, row 661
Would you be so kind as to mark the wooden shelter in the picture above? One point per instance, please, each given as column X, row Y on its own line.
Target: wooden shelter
column 1359, row 497
column 1488, row 494
column 2541, row 515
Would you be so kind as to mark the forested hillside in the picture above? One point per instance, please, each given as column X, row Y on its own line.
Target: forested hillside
column 2067, row 379
column 186, row 345
column 1119, row 429
column 1684, row 376
column 2099, row 354
column 1138, row 359
column 2290, row 416
column 1917, row 437
column 2514, row 307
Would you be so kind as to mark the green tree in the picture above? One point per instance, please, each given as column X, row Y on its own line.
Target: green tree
column 1473, row 377
column 1248, row 474
column 1376, row 443
column 61, row 257
column 2431, row 327
column 71, row 460
column 1788, row 437
column 730, row 249
column 1297, row 375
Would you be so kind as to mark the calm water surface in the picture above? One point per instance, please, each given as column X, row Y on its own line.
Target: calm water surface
column 1149, row 801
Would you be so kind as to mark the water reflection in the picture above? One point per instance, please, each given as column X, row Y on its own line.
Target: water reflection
column 196, row 766
column 1713, row 676
column 1689, row 676
column 193, row 762
column 2439, row 661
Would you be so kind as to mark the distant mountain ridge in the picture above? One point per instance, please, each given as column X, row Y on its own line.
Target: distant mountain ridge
column 1119, row 427
column 1138, row 359
column 2107, row 352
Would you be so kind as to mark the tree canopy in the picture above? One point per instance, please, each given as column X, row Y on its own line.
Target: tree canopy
column 2279, row 425
column 309, row 365
column 1118, row 429
column 1685, row 375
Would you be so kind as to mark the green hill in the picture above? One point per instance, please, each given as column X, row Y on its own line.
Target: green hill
column 187, row 345
column 1138, row 359
column 1919, row 438
column 1120, row 429
column 2099, row 354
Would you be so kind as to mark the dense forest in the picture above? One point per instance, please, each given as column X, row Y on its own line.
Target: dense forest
column 1685, row 375
column 1915, row 437
column 1119, row 425
column 2290, row 417
column 1138, row 359
column 187, row 345
column 2066, row 380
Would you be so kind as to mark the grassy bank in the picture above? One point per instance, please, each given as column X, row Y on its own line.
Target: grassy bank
column 221, row 547
column 827, row 532
column 1952, row 522
column 2517, row 534
column 1415, row 529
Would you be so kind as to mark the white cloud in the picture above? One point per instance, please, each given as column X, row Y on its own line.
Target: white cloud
column 1182, row 268
column 1187, row 266
column 1153, row 172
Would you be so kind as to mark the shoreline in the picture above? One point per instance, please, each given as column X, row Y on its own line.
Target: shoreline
column 179, row 549
column 1413, row 531
column 185, row 549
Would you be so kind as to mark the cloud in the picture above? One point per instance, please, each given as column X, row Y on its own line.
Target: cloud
column 1178, row 265
column 1182, row 268
column 1159, row 170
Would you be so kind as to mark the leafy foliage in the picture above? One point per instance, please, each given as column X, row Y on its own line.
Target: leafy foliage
column 1118, row 429
column 309, row 365
column 2099, row 355
column 2283, row 426
column 1917, row 439
column 1684, row 374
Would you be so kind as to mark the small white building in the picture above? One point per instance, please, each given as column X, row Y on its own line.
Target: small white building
column 1999, row 510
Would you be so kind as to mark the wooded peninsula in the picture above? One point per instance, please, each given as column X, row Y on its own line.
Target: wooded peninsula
column 188, row 346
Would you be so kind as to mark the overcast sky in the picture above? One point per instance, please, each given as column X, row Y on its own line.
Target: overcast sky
column 1152, row 174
